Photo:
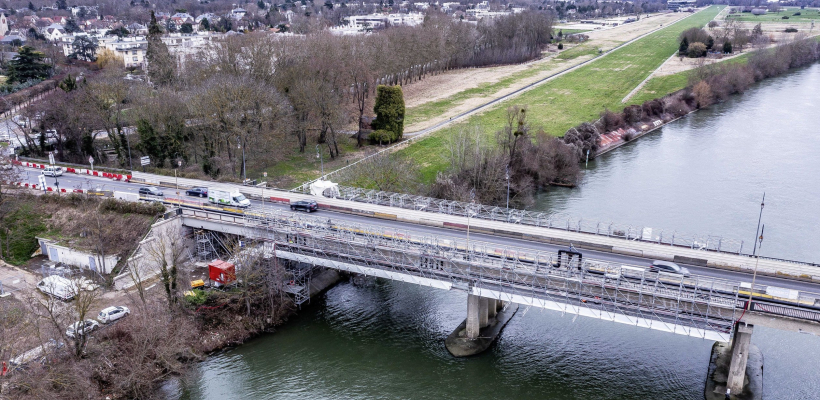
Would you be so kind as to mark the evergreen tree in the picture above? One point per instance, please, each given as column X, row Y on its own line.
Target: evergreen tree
column 68, row 84
column 261, row 5
column 61, row 5
column 186, row 28
column 710, row 43
column 27, row 65
column 684, row 46
column 71, row 26
column 205, row 24
column 31, row 7
column 727, row 47
column 389, row 109
column 153, row 27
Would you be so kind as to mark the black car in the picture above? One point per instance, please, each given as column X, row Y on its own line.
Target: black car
column 304, row 205
column 197, row 192
column 150, row 191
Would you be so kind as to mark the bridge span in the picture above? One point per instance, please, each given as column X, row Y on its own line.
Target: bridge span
column 518, row 272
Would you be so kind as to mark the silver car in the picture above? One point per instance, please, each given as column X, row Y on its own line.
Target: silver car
column 668, row 267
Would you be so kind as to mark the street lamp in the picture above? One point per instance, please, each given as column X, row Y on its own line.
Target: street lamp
column 239, row 146
column 321, row 159
column 507, row 176
column 176, row 180
column 469, row 211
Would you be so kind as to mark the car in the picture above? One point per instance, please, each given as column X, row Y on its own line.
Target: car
column 82, row 328
column 53, row 171
column 150, row 191
column 669, row 268
column 304, row 205
column 112, row 314
column 197, row 191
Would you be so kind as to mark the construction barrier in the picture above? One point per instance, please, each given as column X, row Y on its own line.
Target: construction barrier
column 79, row 171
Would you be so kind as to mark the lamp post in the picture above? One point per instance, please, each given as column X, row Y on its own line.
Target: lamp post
column 176, row 180
column 758, row 240
column 239, row 146
column 507, row 176
column 321, row 159
column 469, row 210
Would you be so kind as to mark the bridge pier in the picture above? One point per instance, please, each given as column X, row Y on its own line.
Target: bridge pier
column 736, row 368
column 481, row 327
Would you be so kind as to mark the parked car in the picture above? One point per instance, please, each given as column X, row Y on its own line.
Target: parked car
column 197, row 191
column 668, row 267
column 53, row 171
column 112, row 314
column 304, row 205
column 150, row 191
column 82, row 328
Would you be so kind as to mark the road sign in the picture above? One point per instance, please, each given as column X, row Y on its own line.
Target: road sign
column 91, row 160
column 51, row 158
column 265, row 174
column 145, row 160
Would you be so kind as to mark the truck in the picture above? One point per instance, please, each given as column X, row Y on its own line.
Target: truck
column 227, row 197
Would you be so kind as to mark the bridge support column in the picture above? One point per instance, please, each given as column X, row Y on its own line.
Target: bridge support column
column 483, row 311
column 741, row 344
column 473, row 319
column 735, row 368
column 481, row 327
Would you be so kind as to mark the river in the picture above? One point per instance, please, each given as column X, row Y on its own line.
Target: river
column 704, row 173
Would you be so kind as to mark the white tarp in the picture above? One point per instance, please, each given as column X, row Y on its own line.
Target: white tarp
column 324, row 188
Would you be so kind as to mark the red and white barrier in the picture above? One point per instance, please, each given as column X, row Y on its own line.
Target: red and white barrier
column 79, row 171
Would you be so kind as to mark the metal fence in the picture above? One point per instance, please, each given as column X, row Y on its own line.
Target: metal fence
column 548, row 220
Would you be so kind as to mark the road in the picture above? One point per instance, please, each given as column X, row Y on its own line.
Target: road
column 70, row 181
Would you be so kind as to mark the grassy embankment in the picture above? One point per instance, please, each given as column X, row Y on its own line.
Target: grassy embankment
column 72, row 220
column 570, row 99
column 806, row 16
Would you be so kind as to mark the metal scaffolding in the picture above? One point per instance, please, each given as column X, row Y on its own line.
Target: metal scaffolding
column 696, row 306
column 561, row 221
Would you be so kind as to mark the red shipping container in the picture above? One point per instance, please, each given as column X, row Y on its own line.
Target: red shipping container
column 221, row 272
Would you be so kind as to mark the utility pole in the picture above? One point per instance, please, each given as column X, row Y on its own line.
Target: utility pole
column 469, row 210
column 758, row 240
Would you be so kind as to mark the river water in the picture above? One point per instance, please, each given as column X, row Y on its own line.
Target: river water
column 702, row 174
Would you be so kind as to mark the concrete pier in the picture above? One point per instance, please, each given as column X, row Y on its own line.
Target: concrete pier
column 482, row 326
column 735, row 368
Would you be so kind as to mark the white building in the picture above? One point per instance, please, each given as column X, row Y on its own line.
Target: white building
column 380, row 20
column 4, row 24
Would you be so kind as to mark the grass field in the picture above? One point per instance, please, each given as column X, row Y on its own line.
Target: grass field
column 806, row 15
column 575, row 97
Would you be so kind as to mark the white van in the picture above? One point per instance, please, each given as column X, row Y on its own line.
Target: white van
column 227, row 198
column 59, row 287
column 53, row 171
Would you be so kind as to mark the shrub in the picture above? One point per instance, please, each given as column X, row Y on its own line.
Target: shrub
column 703, row 94
column 612, row 120
column 381, row 136
column 796, row 14
column 785, row 17
column 791, row 30
column 727, row 47
column 696, row 50
column 560, row 46
column 131, row 207
column 199, row 298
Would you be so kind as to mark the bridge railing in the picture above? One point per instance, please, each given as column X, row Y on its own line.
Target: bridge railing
column 705, row 303
column 561, row 221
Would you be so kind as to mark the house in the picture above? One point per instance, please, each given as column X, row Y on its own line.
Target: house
column 137, row 29
column 53, row 32
column 238, row 13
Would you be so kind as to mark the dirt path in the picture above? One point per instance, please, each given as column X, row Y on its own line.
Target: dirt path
column 451, row 83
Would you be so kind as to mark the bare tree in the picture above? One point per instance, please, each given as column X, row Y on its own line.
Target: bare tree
column 167, row 251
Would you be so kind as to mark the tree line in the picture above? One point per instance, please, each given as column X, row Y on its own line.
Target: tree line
column 264, row 92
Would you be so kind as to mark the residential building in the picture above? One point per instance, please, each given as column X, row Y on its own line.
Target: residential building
column 4, row 24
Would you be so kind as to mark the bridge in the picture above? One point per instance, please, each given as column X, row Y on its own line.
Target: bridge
column 514, row 256
column 519, row 272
